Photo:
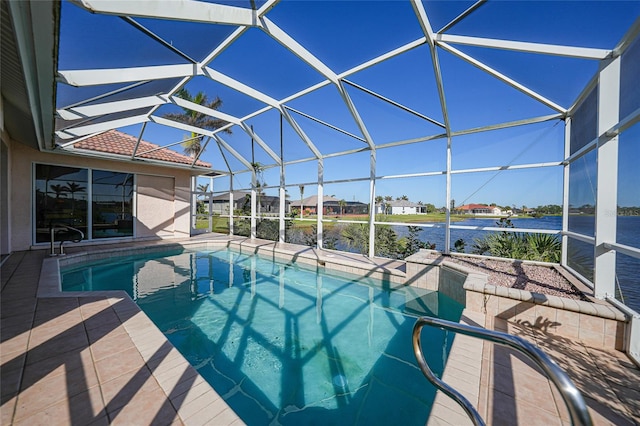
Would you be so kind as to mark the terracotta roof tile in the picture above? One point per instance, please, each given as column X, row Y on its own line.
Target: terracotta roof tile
column 473, row 207
column 116, row 142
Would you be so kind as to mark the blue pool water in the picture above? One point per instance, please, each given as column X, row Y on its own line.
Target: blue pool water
column 286, row 344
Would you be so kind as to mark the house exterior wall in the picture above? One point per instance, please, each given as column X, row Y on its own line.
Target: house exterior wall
column 5, row 230
column 155, row 199
column 482, row 211
column 403, row 210
column 149, row 214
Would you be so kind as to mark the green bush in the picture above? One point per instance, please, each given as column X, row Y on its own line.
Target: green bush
column 356, row 235
column 517, row 245
column 411, row 243
column 268, row 229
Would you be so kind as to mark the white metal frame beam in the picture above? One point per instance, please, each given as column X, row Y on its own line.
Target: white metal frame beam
column 394, row 103
column 519, row 46
column 79, row 112
column 522, row 88
column 100, row 127
column 296, row 48
column 194, row 11
column 204, row 110
column 418, row 7
column 354, row 113
column 262, row 143
column 80, row 78
column 463, row 15
column 233, row 152
column 240, row 87
column 421, row 14
column 324, row 123
column 604, row 272
column 296, row 127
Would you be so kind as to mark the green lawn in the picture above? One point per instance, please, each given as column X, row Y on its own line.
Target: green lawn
column 222, row 224
column 398, row 218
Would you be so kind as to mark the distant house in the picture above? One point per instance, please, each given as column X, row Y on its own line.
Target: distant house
column 331, row 206
column 400, row 207
column 220, row 203
column 480, row 210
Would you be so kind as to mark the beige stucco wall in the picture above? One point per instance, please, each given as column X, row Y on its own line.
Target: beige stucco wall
column 150, row 214
column 157, row 195
column 5, row 231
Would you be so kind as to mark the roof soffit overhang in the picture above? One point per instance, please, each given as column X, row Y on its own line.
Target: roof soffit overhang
column 29, row 57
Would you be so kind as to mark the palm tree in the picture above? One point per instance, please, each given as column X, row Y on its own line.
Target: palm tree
column 379, row 200
column 73, row 187
column 301, row 198
column 356, row 235
column 260, row 183
column 193, row 145
column 342, row 203
column 200, row 203
column 388, row 199
column 58, row 189
column 127, row 182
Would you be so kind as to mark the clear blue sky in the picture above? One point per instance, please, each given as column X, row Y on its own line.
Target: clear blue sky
column 344, row 34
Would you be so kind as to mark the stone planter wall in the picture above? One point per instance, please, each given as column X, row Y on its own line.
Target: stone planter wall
column 596, row 323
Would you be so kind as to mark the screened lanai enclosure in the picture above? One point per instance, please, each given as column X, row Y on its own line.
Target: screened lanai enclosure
column 377, row 127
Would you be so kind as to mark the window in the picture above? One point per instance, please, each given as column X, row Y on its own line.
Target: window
column 62, row 196
column 112, row 203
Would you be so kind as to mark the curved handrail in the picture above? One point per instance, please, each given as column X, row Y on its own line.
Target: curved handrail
column 65, row 226
column 55, row 227
column 570, row 394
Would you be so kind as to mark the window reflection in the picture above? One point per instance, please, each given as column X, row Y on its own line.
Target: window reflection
column 584, row 123
column 60, row 197
column 112, row 202
column 580, row 257
column 582, row 194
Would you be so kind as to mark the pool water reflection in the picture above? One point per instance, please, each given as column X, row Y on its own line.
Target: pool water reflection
column 285, row 344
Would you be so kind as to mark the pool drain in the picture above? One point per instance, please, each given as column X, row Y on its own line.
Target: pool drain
column 340, row 381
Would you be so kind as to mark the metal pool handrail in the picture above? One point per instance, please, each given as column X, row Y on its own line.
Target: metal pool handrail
column 570, row 394
column 55, row 227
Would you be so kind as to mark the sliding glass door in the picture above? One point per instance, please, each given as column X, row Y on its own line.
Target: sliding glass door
column 62, row 196
column 112, row 203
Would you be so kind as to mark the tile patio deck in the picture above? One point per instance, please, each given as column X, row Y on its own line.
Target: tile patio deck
column 99, row 360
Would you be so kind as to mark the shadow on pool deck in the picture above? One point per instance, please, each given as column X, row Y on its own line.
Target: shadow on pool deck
column 73, row 360
column 99, row 360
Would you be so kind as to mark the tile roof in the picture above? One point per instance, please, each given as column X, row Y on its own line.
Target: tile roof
column 313, row 200
column 327, row 200
column 403, row 203
column 115, row 142
column 474, row 207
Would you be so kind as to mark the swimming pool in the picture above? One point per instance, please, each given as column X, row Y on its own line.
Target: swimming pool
column 284, row 343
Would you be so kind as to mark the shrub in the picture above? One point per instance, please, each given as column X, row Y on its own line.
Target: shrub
column 356, row 235
column 516, row 245
column 411, row 243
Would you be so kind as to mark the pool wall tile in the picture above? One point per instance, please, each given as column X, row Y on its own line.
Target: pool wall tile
column 545, row 314
column 467, row 351
column 569, row 313
column 598, row 325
